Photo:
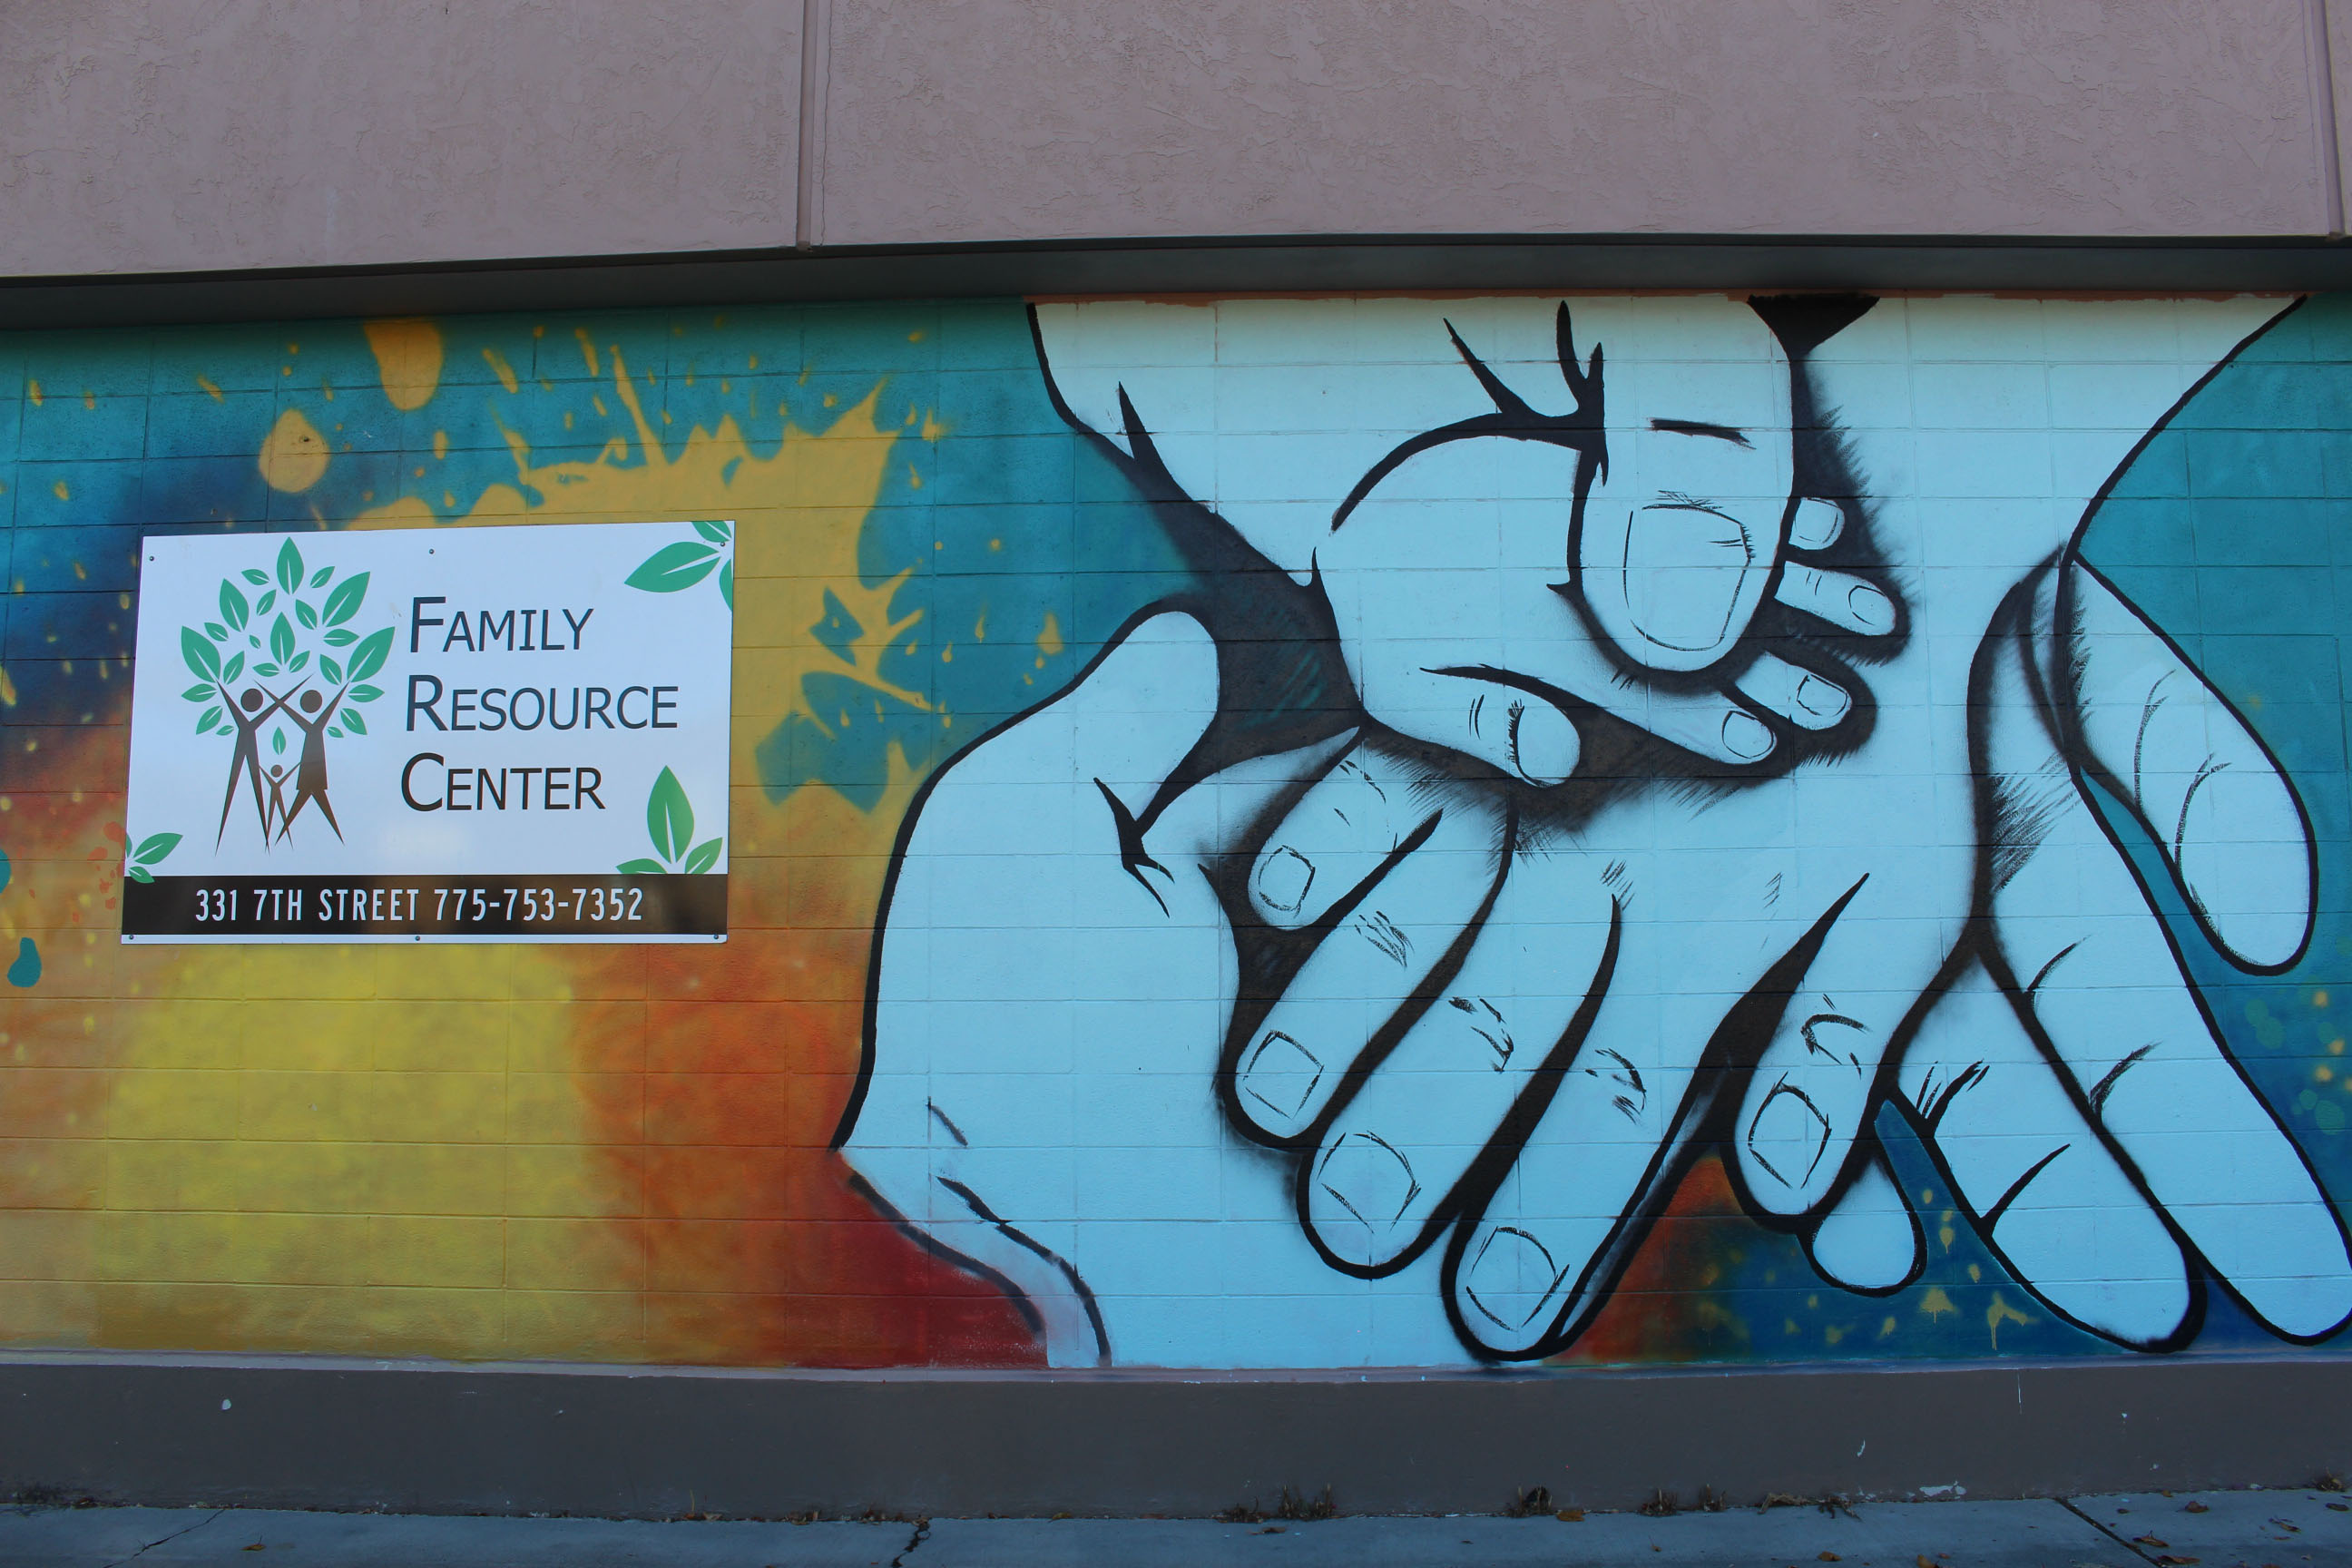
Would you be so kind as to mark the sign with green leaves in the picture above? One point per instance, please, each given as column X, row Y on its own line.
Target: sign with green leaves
column 364, row 730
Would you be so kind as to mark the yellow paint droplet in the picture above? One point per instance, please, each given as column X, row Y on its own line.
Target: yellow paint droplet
column 89, row 398
column 207, row 383
column 1976, row 1274
column 932, row 428
column 2319, row 998
column 830, row 399
column 2324, row 1073
column 1832, row 1333
column 2336, row 1048
column 914, row 479
column 1935, row 1303
column 81, row 574
column 294, row 454
column 407, row 360
column 326, row 390
column 62, row 493
column 996, row 545
column 1049, row 636
column 916, row 336
column 7, row 699
column 1997, row 1312
column 602, row 412
column 980, row 628
column 293, row 348
column 754, row 362
column 1887, row 1327
column 567, row 419
column 502, row 370
column 441, row 443
column 449, row 499
column 946, row 654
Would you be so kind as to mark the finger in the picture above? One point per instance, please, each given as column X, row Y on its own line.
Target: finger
column 1870, row 1239
column 2100, row 981
column 1420, row 691
column 2034, row 1179
column 1806, row 1101
column 1342, row 832
column 2219, row 807
column 1815, row 524
column 1216, row 815
column 1375, row 959
column 1531, row 1261
column 1374, row 1191
column 1837, row 597
column 1509, row 729
column 1808, row 701
column 1676, row 583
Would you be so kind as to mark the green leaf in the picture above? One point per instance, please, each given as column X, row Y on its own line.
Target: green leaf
column 212, row 716
column 331, row 670
column 352, row 722
column 289, row 566
column 232, row 605
column 368, row 657
column 340, row 638
column 705, row 856
column 252, row 642
column 306, row 615
column 268, row 669
column 672, row 567
column 335, row 733
column 199, row 653
column 139, row 874
column 281, row 640
column 366, row 693
column 727, row 584
column 232, row 669
column 258, row 579
column 669, row 817
column 345, row 602
column 154, row 848
column 319, row 578
column 641, row 868
column 717, row 533
column 278, row 742
column 299, row 660
column 262, row 607
column 202, row 691
column 215, row 631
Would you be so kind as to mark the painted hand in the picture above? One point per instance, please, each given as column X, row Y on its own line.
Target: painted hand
column 1052, row 983
column 1508, row 546
column 1611, row 992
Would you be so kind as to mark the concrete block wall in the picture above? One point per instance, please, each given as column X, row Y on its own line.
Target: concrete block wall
column 1937, row 953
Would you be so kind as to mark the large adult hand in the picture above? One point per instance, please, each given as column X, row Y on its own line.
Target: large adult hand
column 1714, row 905
column 2066, row 1078
column 1511, row 536
column 1051, row 986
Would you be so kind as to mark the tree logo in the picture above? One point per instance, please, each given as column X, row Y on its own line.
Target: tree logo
column 301, row 682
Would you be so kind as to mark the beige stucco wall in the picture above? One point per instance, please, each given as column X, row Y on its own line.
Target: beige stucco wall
column 144, row 135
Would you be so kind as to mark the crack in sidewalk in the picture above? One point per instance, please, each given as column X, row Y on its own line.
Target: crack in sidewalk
column 160, row 1539
column 2104, row 1529
column 923, row 1533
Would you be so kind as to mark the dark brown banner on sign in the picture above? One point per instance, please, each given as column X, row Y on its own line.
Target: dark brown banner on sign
column 577, row 908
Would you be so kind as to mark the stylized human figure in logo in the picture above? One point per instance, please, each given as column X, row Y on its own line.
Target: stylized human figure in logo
column 247, row 710
column 311, row 774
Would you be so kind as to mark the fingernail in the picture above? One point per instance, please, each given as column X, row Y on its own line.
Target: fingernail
column 1544, row 747
column 1511, row 1277
column 1823, row 700
column 1279, row 1073
column 1873, row 610
column 1787, row 1135
column 1283, row 875
column 1816, row 525
column 1746, row 737
column 1363, row 1188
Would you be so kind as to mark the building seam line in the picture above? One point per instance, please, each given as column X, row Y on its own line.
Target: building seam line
column 2323, row 82
column 816, row 38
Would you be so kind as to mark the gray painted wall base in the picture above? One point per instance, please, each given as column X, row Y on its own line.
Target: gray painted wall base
column 431, row 1437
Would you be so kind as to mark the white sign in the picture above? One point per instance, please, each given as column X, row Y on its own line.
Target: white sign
column 465, row 735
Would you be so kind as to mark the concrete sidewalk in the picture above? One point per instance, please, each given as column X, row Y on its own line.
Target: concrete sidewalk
column 2215, row 1529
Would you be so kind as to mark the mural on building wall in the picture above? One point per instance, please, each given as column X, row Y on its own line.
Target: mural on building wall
column 1354, row 831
